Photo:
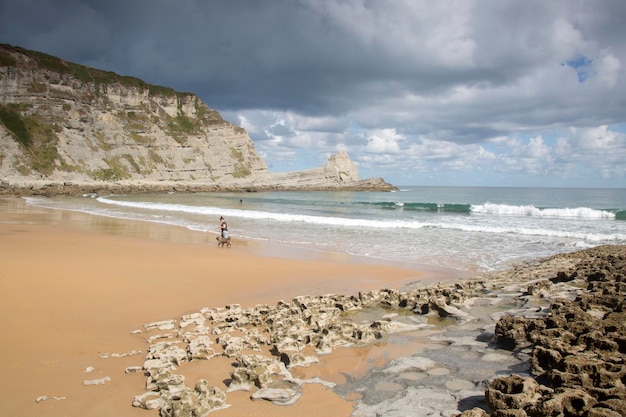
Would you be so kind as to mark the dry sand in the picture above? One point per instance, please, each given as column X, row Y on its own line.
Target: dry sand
column 74, row 286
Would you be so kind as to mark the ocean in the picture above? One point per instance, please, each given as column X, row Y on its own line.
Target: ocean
column 479, row 229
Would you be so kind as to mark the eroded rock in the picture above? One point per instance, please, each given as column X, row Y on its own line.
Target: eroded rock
column 578, row 348
column 576, row 345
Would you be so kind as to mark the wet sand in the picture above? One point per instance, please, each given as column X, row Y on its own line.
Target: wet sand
column 75, row 286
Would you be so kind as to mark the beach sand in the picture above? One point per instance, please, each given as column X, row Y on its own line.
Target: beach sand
column 75, row 286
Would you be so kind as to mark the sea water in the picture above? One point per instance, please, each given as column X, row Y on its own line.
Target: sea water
column 466, row 228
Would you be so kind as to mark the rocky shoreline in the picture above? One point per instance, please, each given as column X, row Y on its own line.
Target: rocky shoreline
column 71, row 188
column 544, row 338
column 577, row 349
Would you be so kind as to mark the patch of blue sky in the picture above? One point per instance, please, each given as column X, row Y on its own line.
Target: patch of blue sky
column 621, row 128
column 582, row 65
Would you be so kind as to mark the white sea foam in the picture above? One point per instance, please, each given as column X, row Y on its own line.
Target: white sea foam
column 359, row 223
column 406, row 228
column 596, row 237
column 530, row 210
column 265, row 215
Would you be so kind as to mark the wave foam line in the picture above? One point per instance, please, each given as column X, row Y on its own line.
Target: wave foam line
column 590, row 237
column 264, row 215
column 530, row 210
column 363, row 223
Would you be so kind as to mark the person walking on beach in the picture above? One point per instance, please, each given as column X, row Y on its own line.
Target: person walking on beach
column 223, row 227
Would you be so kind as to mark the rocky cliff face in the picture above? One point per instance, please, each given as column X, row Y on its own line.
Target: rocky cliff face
column 62, row 121
column 64, row 125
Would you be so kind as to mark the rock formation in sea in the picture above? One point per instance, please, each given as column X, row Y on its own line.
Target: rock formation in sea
column 66, row 128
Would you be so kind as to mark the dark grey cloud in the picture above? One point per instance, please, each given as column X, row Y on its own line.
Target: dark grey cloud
column 313, row 56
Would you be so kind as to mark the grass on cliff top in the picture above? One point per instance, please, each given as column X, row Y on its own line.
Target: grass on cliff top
column 81, row 72
column 103, row 78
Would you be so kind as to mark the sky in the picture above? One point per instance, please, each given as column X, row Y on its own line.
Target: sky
column 448, row 92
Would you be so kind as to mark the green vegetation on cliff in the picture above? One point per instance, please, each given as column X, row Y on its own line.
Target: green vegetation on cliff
column 36, row 137
column 181, row 126
column 12, row 120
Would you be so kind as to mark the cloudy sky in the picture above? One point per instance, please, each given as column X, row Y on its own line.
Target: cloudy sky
column 494, row 92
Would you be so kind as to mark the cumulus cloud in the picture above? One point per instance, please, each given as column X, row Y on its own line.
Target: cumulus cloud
column 470, row 90
column 384, row 141
column 608, row 70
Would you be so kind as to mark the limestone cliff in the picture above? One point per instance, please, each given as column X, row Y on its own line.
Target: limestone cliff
column 63, row 121
column 64, row 125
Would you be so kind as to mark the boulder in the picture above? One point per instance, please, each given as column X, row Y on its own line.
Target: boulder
column 513, row 393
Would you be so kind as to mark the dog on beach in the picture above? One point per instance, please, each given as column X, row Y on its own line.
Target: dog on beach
column 223, row 241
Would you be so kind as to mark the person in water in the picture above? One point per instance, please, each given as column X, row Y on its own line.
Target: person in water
column 223, row 227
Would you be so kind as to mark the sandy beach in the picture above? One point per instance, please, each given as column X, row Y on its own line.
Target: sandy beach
column 75, row 286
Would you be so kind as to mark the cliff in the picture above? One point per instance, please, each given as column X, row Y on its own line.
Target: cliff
column 67, row 128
